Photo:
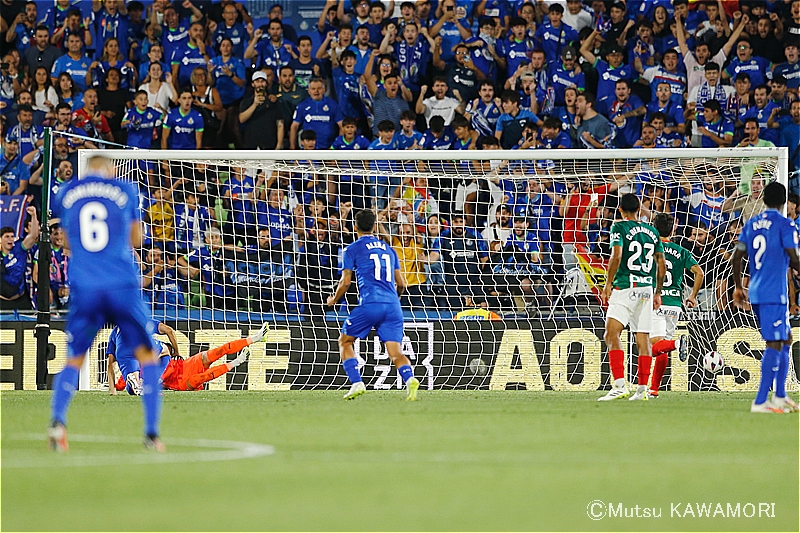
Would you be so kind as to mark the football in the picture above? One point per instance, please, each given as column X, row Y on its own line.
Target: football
column 712, row 361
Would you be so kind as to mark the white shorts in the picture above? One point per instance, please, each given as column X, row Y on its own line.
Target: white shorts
column 632, row 307
column 665, row 320
column 462, row 192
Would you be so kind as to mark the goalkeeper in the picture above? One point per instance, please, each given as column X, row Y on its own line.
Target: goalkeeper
column 190, row 374
column 678, row 260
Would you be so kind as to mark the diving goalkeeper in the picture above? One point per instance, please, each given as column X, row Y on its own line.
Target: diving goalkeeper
column 190, row 374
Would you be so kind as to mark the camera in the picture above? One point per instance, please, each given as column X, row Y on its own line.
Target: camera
column 449, row 8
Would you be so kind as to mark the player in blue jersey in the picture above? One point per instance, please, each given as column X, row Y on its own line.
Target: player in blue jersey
column 101, row 218
column 127, row 363
column 380, row 283
column 769, row 240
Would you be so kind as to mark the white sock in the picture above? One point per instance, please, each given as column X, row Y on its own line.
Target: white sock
column 619, row 383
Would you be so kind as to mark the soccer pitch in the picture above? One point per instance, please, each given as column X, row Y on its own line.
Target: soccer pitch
column 463, row 461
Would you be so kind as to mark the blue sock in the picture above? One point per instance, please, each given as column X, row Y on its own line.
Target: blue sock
column 151, row 398
column 406, row 372
column 769, row 364
column 351, row 368
column 783, row 371
column 64, row 387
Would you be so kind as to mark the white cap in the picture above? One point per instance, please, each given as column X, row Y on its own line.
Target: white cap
column 259, row 75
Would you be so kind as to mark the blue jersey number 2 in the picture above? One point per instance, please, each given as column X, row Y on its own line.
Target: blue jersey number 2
column 760, row 245
column 387, row 259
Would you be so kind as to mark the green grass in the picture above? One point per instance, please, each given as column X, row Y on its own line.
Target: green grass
column 496, row 461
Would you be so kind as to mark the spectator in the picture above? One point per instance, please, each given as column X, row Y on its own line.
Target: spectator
column 259, row 279
column 566, row 74
column 304, row 66
column 412, row 53
column 780, row 96
column 463, row 72
column 554, row 35
column 231, row 29
column 670, row 107
column 229, row 75
column 362, row 48
column 240, row 197
column 74, row 63
column 317, row 113
column 140, row 121
column 160, row 279
column 59, row 278
column 553, row 135
column 209, row 260
column 272, row 52
column 262, row 117
column 439, row 104
column 610, row 71
column 176, row 31
column 351, row 188
column 29, row 135
column 64, row 124
column 111, row 58
column 359, row 14
column 318, row 265
column 705, row 201
column 208, row 102
column 701, row 243
column 67, row 92
column 438, row 136
column 22, row 30
column 13, row 171
column 288, row 93
column 664, row 138
column 335, row 43
column 151, row 50
column 516, row 50
column 667, row 72
column 755, row 66
column 512, row 121
column 387, row 178
column 42, row 54
column 594, row 130
column 160, row 94
column 184, row 125
column 761, row 111
column 272, row 216
column 189, row 55
column 790, row 136
column 161, row 217
column 276, row 13
column 716, row 130
column 111, row 22
column 626, row 114
column 191, row 223
column 450, row 28
column 387, row 102
column 13, row 288
column 463, row 253
column 412, row 262
column 44, row 97
column 347, row 88
column 408, row 138
column 648, row 138
column 113, row 102
column 790, row 70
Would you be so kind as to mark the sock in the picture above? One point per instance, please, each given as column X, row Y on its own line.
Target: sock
column 769, row 364
column 659, row 368
column 406, row 372
column 644, row 363
column 64, row 387
column 151, row 398
column 616, row 359
column 783, row 371
column 351, row 368
column 227, row 349
column 663, row 346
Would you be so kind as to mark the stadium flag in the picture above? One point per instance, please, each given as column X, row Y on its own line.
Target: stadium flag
column 594, row 269
column 12, row 212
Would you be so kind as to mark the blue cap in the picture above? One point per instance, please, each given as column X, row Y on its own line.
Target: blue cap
column 11, row 137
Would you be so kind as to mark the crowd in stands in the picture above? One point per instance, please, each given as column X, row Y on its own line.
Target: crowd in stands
column 412, row 75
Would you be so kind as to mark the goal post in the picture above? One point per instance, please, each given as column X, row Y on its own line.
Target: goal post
column 502, row 296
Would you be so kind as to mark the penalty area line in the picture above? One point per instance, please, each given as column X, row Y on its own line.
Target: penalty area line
column 231, row 451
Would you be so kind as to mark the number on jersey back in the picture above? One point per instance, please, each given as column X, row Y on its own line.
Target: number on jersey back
column 678, row 260
column 767, row 236
column 640, row 243
column 374, row 263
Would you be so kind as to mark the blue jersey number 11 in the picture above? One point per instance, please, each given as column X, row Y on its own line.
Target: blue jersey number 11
column 388, row 262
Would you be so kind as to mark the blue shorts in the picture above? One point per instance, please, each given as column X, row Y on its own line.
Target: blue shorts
column 386, row 318
column 89, row 310
column 773, row 320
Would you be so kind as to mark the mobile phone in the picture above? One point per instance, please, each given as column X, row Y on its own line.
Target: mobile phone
column 449, row 8
column 4, row 66
column 594, row 197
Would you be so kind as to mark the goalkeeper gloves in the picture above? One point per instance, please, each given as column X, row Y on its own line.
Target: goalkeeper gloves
column 241, row 358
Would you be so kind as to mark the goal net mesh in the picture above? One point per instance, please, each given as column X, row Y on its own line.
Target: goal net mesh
column 504, row 256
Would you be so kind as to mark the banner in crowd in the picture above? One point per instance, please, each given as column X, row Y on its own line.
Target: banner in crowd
column 12, row 212
column 492, row 355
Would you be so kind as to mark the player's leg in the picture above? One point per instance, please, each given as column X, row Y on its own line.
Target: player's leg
column 209, row 356
column 641, row 324
column 390, row 331
column 195, row 381
column 84, row 321
column 774, row 324
column 781, row 400
column 357, row 326
column 616, row 357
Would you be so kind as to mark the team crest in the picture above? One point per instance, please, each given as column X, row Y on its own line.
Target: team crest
column 190, row 121
column 325, row 107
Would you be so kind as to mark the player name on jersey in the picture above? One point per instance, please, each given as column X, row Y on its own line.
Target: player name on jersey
column 640, row 242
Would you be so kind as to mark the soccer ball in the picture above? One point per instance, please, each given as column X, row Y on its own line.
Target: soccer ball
column 478, row 367
column 712, row 361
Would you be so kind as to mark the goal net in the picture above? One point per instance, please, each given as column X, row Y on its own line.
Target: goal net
column 504, row 254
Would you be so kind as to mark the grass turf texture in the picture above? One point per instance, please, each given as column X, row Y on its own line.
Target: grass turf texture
column 462, row 461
